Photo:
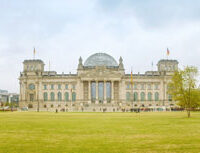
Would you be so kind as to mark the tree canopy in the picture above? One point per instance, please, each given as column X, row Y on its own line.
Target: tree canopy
column 183, row 88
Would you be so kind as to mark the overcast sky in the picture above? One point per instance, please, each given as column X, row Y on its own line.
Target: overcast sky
column 63, row 30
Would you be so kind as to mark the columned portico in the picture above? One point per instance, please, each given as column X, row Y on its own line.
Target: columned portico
column 103, row 91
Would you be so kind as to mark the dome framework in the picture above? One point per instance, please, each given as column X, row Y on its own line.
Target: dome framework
column 100, row 59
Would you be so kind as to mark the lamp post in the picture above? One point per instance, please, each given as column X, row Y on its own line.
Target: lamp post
column 38, row 106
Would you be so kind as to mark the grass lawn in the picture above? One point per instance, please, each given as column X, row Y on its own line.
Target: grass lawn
column 48, row 132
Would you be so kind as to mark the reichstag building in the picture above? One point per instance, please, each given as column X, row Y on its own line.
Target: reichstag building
column 99, row 84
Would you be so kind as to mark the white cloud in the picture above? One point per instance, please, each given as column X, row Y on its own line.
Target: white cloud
column 89, row 29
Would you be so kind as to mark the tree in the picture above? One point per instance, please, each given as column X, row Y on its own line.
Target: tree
column 7, row 104
column 183, row 88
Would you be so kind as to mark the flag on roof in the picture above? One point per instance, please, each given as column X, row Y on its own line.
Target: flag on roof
column 168, row 52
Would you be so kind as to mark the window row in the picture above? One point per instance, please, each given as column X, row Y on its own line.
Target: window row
column 142, row 86
column 59, row 96
column 31, row 67
column 59, row 86
column 142, row 95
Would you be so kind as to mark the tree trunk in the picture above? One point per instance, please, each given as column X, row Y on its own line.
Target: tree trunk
column 188, row 113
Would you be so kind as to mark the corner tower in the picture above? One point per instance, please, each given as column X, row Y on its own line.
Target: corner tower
column 167, row 65
column 33, row 65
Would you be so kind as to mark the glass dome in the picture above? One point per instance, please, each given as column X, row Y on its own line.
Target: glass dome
column 100, row 59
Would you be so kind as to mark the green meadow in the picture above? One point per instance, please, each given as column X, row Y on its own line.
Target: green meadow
column 48, row 132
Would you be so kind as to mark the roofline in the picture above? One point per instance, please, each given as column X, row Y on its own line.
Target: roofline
column 33, row 60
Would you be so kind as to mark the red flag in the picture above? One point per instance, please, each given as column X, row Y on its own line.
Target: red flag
column 168, row 52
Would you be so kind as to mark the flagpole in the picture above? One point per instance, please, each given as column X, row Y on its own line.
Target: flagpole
column 168, row 53
column 34, row 53
column 132, row 86
column 49, row 65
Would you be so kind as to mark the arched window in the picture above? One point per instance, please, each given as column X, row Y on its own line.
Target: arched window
column 156, row 96
column 135, row 96
column 45, row 96
column 52, row 96
column 59, row 96
column 128, row 96
column 66, row 96
column 73, row 96
column 142, row 96
column 149, row 96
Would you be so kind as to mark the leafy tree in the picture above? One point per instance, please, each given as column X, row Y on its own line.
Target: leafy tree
column 183, row 88
column 1, row 104
column 7, row 104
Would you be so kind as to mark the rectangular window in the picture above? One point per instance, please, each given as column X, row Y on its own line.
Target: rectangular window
column 45, row 87
column 59, row 86
column 52, row 86
column 156, row 86
column 142, row 86
column 101, row 91
column 149, row 86
column 135, row 86
column 73, row 86
column 93, row 91
column 66, row 86
column 128, row 86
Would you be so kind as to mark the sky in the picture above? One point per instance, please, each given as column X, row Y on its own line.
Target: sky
column 63, row 30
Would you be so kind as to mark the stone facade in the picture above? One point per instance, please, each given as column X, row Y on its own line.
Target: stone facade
column 100, row 83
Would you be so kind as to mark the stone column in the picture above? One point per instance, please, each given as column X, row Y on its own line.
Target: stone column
column 146, row 94
column 25, row 91
column 112, row 90
column 20, row 97
column 164, row 93
column 153, row 94
column 89, row 91
column 97, row 98
column 37, row 96
column 37, row 92
column 104, row 91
